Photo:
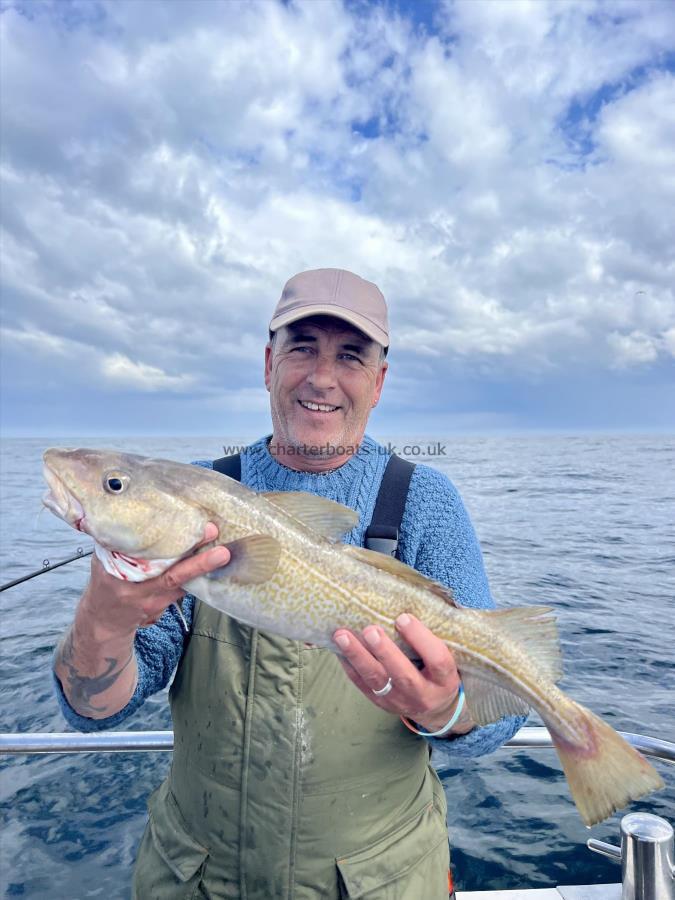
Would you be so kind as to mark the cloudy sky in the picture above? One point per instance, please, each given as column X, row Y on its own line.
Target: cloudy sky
column 505, row 171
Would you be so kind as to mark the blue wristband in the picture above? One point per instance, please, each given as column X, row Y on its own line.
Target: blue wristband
column 446, row 728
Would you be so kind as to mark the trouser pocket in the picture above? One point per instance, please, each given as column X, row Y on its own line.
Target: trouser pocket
column 170, row 863
column 409, row 863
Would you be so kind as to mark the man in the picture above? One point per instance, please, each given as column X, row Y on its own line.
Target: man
column 285, row 781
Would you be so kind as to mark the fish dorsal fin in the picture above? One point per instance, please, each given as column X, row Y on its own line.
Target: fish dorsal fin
column 326, row 517
column 400, row 570
column 488, row 701
column 535, row 629
column 254, row 560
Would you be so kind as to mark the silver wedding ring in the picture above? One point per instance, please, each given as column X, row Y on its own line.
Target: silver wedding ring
column 384, row 690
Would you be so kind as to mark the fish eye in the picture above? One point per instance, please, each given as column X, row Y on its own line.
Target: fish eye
column 115, row 482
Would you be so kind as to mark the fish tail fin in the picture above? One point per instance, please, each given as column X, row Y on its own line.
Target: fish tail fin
column 603, row 771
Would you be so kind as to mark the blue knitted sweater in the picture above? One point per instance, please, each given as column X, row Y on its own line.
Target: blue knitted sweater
column 436, row 538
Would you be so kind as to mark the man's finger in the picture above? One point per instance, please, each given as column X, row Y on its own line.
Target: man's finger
column 359, row 682
column 210, row 533
column 395, row 663
column 439, row 664
column 371, row 673
column 187, row 569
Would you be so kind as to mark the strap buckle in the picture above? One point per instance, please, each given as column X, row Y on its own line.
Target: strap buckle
column 382, row 539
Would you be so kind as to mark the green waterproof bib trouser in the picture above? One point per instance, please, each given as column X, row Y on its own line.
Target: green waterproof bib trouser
column 286, row 782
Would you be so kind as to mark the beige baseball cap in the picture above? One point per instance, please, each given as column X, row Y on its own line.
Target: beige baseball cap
column 334, row 292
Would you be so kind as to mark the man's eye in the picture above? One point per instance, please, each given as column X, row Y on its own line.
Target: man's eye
column 349, row 357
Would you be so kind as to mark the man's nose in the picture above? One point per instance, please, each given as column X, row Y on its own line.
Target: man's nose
column 323, row 374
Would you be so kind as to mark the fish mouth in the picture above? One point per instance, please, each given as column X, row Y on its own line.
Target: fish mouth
column 59, row 500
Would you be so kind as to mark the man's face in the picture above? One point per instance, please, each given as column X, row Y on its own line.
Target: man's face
column 322, row 362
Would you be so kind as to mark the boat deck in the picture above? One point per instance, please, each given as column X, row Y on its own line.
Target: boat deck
column 564, row 892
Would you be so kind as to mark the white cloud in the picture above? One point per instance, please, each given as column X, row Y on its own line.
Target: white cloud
column 127, row 373
column 78, row 360
column 460, row 111
column 508, row 181
column 37, row 342
column 669, row 341
column 557, row 50
column 632, row 349
column 639, row 128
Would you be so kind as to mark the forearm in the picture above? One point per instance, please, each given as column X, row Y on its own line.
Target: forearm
column 482, row 739
column 96, row 666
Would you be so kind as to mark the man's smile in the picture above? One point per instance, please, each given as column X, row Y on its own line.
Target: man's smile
column 318, row 407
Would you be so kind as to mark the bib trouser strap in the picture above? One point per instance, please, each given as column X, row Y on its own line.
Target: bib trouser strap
column 382, row 535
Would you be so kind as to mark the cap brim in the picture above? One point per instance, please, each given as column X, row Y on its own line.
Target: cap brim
column 338, row 312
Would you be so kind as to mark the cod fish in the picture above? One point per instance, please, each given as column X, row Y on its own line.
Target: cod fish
column 291, row 575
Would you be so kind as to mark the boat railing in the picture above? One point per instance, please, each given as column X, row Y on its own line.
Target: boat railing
column 531, row 738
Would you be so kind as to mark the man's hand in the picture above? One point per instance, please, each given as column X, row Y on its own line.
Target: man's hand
column 428, row 696
column 95, row 661
column 121, row 607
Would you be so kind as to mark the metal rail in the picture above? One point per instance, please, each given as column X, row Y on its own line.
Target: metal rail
column 98, row 742
column 649, row 746
column 131, row 741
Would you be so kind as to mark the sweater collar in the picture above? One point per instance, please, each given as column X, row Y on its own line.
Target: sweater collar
column 276, row 471
column 354, row 484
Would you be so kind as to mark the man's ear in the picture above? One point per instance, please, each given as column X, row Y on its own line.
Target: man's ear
column 269, row 350
column 379, row 383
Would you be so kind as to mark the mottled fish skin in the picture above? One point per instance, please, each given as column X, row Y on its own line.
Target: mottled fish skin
column 291, row 575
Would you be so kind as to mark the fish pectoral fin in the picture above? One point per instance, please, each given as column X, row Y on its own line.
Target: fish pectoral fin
column 488, row 702
column 254, row 560
column 327, row 518
column 400, row 570
column 535, row 629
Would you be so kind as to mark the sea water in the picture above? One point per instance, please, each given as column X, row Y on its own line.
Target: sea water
column 585, row 524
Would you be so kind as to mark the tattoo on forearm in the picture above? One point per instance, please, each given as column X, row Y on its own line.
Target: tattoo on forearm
column 82, row 688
